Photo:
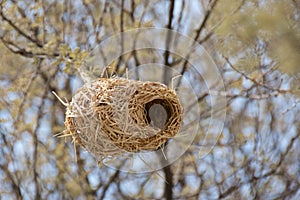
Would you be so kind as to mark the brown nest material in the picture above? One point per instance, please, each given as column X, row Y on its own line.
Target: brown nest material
column 112, row 116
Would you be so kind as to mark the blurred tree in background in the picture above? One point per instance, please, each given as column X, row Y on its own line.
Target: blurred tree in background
column 256, row 46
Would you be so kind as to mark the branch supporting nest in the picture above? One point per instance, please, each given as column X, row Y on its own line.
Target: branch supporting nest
column 109, row 117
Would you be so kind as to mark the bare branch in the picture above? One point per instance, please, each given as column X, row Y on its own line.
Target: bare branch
column 21, row 32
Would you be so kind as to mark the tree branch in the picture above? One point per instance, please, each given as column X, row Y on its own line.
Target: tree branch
column 21, row 32
column 168, row 183
column 168, row 39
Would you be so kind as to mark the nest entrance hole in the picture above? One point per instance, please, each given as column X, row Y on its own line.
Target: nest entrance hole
column 158, row 113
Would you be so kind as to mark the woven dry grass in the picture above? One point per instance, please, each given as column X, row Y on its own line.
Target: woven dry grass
column 111, row 116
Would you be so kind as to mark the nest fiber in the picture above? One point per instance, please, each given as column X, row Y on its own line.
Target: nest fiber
column 112, row 116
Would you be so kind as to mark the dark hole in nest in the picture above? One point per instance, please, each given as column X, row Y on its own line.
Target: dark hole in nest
column 158, row 113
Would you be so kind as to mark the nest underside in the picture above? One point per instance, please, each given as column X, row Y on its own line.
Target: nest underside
column 109, row 117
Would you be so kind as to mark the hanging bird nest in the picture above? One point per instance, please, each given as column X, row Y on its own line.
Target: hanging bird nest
column 109, row 117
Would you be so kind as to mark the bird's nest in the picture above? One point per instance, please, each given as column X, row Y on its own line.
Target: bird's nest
column 109, row 117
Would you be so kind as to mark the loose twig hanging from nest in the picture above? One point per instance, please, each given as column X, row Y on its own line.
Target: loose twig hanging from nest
column 109, row 117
